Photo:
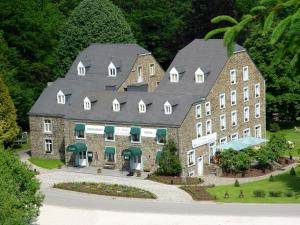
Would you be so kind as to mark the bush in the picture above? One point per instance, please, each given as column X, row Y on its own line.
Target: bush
column 259, row 193
column 241, row 161
column 289, row 194
column 275, row 193
column 293, row 172
column 274, row 127
column 236, row 183
column 226, row 159
column 276, row 145
column 271, row 179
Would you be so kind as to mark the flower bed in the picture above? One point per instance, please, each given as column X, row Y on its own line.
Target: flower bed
column 198, row 193
column 175, row 180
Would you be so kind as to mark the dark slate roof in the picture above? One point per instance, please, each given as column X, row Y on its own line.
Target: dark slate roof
column 97, row 57
column 210, row 56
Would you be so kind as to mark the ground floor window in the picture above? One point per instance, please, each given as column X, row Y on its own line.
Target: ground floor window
column 79, row 134
column 109, row 157
column 48, row 145
column 191, row 158
column 258, row 131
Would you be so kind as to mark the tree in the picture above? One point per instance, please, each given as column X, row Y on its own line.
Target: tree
column 276, row 146
column 91, row 21
column 263, row 157
column 241, row 161
column 226, row 161
column 19, row 197
column 169, row 162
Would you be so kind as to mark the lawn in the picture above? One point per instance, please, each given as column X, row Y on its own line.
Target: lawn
column 284, row 183
column 174, row 180
column 46, row 163
column 106, row 189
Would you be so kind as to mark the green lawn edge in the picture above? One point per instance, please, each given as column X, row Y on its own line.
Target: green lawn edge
column 46, row 163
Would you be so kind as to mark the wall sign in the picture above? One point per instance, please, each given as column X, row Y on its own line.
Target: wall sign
column 94, row 129
column 148, row 132
column 204, row 140
column 122, row 131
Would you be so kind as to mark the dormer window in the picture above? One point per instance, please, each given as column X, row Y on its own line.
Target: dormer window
column 142, row 107
column 61, row 99
column 112, row 70
column 116, row 105
column 87, row 104
column 174, row 75
column 168, row 108
column 199, row 76
column 80, row 69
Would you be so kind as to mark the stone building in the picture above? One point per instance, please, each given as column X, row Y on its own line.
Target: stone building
column 116, row 107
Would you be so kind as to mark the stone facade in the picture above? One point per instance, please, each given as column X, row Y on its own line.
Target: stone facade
column 144, row 61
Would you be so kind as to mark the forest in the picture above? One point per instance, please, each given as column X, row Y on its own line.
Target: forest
column 40, row 38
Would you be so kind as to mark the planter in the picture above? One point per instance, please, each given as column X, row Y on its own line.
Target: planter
column 98, row 170
column 138, row 173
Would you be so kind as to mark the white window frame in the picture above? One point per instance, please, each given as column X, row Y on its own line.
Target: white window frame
column 257, row 90
column 139, row 73
column 137, row 142
column 234, row 134
column 222, row 101
column 47, row 126
column 257, row 110
column 80, row 69
column 234, row 118
column 246, row 114
column 233, row 99
column 105, row 154
column 152, row 69
column 167, row 108
column 198, row 111
column 80, row 138
column 109, row 140
column 112, row 70
column 199, row 132
column 245, row 73
column 207, row 109
column 191, row 158
column 142, row 107
column 116, row 105
column 199, row 76
column 246, row 94
column 223, row 140
column 233, row 76
column 48, row 145
column 208, row 131
column 174, row 75
column 87, row 104
column 61, row 98
column 223, row 122
column 255, row 130
column 247, row 130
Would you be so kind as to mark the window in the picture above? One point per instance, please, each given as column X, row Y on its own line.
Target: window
column 257, row 90
column 109, row 157
column 233, row 118
column 87, row 104
column 168, row 108
column 140, row 78
column 199, row 76
column 198, row 111
column 257, row 131
column 48, row 146
column 208, row 127
column 116, row 105
column 257, row 110
column 222, row 122
column 174, row 76
column 161, row 136
column 246, row 114
column 191, row 158
column 207, row 108
column 142, row 107
column 233, row 97
column 80, row 69
column 222, row 101
column 151, row 69
column 135, row 133
column 112, row 70
column 223, row 140
column 199, row 130
column 47, row 126
column 247, row 132
column 61, row 98
column 245, row 73
column 234, row 136
column 233, row 76
column 109, row 132
column 80, row 134
column 246, row 94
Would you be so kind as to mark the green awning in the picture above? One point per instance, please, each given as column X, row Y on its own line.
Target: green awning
column 135, row 130
column 77, row 147
column 79, row 127
column 161, row 132
column 158, row 155
column 133, row 151
column 109, row 129
column 110, row 150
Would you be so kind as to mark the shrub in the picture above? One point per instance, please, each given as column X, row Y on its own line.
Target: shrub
column 289, row 194
column 259, row 193
column 236, row 183
column 276, row 145
column 263, row 157
column 293, row 172
column 241, row 161
column 226, row 159
column 274, row 127
column 275, row 193
column 271, row 179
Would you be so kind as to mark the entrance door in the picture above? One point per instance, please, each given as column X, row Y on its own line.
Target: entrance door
column 126, row 165
column 82, row 158
column 200, row 166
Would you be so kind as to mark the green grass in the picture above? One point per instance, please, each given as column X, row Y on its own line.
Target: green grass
column 106, row 189
column 174, row 180
column 283, row 182
column 46, row 163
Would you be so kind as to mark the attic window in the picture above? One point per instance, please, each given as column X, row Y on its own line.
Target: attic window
column 87, row 104
column 168, row 108
column 112, row 70
column 199, row 76
column 80, row 69
column 116, row 105
column 142, row 107
column 61, row 99
column 174, row 75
